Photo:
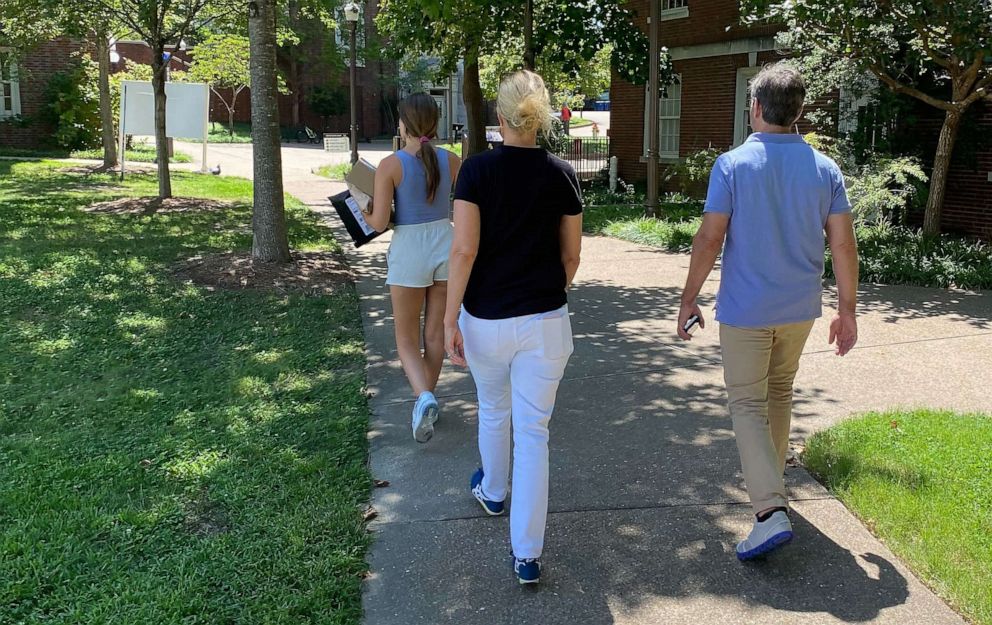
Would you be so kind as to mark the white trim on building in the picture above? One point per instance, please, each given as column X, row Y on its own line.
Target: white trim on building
column 669, row 120
column 10, row 87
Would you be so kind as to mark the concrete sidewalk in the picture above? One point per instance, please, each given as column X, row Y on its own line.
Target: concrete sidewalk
column 646, row 493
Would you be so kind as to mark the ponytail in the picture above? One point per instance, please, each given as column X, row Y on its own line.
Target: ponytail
column 420, row 115
column 429, row 157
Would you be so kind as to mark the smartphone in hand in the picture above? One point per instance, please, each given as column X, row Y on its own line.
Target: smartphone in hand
column 690, row 324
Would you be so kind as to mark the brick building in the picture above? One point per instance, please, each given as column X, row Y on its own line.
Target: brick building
column 714, row 57
column 23, row 79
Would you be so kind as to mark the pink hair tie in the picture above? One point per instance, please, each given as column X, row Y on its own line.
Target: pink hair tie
column 425, row 139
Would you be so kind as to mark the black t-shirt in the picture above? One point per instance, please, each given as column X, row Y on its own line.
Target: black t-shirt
column 522, row 194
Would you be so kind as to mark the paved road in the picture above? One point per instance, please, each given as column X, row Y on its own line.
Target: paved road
column 646, row 493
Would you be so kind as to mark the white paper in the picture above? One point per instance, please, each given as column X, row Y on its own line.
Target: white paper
column 356, row 210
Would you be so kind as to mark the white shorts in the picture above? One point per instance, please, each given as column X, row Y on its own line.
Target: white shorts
column 418, row 254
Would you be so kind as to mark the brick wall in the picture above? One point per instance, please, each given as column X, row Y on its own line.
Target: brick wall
column 35, row 68
column 709, row 21
column 708, row 110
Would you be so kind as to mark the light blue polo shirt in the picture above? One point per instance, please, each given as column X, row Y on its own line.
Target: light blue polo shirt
column 778, row 191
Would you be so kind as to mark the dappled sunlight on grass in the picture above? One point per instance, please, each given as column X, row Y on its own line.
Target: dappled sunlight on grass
column 178, row 437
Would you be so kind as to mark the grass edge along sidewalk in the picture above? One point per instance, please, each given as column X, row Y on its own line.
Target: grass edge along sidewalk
column 170, row 453
column 920, row 480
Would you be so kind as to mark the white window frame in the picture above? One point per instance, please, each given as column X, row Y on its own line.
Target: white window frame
column 742, row 103
column 668, row 155
column 15, row 89
column 674, row 9
column 342, row 37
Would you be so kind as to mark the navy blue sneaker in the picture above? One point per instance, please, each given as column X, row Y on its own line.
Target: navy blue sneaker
column 528, row 570
column 492, row 508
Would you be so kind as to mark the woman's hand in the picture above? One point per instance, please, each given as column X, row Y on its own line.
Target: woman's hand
column 454, row 345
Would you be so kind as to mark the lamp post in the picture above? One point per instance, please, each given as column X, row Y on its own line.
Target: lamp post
column 352, row 13
column 651, row 199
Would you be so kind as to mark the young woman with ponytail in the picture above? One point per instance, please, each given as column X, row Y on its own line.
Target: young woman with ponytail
column 419, row 178
column 518, row 230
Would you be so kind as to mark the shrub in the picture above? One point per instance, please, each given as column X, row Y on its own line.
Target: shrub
column 72, row 107
column 898, row 255
column 886, row 188
column 692, row 174
column 556, row 141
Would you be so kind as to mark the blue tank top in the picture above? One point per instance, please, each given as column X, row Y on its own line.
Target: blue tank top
column 412, row 206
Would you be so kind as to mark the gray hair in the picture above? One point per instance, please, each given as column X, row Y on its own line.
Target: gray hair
column 781, row 90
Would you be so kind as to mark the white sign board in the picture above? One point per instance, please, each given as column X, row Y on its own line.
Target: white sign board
column 186, row 107
column 337, row 143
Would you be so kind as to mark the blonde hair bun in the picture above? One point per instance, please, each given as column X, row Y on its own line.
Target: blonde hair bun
column 524, row 103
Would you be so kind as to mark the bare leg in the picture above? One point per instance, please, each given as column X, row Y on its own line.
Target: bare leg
column 407, row 306
column 434, row 333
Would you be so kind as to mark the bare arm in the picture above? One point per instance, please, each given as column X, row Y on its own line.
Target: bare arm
column 387, row 176
column 844, row 250
column 570, row 240
column 706, row 246
column 464, row 249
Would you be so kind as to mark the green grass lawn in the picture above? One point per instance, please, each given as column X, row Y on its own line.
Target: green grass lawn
column 922, row 481
column 221, row 133
column 170, row 454
column 626, row 221
column 334, row 172
column 140, row 153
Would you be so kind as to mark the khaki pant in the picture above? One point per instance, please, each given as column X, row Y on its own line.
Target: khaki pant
column 759, row 366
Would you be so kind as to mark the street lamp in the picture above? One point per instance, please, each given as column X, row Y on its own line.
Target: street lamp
column 353, row 13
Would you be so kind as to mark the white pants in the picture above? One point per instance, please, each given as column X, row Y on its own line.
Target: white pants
column 517, row 364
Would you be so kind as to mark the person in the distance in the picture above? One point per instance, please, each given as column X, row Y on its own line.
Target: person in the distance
column 518, row 231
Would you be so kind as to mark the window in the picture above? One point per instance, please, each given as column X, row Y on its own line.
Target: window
column 674, row 9
column 742, row 110
column 10, row 92
column 669, row 119
column 342, row 36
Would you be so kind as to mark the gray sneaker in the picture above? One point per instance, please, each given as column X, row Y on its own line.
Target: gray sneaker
column 425, row 414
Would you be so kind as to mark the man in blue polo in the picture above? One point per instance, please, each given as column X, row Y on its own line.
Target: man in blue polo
column 770, row 203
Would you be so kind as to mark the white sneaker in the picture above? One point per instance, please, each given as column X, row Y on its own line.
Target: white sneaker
column 766, row 536
column 425, row 413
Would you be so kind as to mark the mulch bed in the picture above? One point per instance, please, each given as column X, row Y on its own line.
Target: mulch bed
column 310, row 273
column 153, row 205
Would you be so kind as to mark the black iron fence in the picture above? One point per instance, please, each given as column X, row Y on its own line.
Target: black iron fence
column 590, row 157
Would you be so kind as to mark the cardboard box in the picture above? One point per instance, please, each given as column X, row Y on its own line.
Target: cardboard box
column 362, row 177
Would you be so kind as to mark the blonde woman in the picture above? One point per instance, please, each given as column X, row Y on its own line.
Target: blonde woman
column 518, row 231
column 419, row 177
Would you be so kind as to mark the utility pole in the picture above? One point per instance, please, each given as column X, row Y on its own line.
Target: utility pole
column 353, row 13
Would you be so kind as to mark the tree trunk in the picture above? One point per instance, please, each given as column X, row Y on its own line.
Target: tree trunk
column 270, row 242
column 294, row 72
column 529, row 57
column 106, row 105
column 941, row 164
column 161, row 142
column 474, row 106
column 230, row 121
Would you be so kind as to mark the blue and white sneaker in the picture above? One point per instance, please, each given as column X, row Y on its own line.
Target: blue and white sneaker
column 492, row 508
column 425, row 413
column 765, row 537
column 528, row 570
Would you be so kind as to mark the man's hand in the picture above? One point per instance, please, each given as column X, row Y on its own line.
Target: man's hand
column 844, row 331
column 454, row 345
column 687, row 310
